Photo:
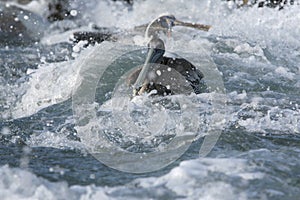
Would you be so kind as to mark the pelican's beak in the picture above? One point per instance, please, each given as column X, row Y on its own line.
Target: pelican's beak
column 170, row 26
column 169, row 32
column 192, row 25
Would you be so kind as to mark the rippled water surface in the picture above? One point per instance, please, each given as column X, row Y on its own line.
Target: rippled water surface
column 256, row 51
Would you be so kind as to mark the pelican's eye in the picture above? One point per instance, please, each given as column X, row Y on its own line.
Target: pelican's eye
column 164, row 24
column 167, row 22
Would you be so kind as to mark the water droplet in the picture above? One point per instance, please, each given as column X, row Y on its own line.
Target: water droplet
column 92, row 176
column 158, row 72
column 73, row 13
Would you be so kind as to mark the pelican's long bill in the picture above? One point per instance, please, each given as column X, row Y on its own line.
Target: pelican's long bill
column 202, row 27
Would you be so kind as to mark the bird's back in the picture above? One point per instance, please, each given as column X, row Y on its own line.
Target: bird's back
column 189, row 71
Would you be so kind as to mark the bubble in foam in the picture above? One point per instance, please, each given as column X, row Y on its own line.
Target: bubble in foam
column 5, row 130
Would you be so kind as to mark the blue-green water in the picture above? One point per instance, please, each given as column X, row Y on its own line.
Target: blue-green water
column 256, row 157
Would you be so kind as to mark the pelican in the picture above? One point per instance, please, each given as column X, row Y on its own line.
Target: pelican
column 162, row 75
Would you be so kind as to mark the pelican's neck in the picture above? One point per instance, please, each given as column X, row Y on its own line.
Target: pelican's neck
column 150, row 34
column 142, row 76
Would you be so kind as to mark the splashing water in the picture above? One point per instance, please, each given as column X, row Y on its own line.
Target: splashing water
column 256, row 51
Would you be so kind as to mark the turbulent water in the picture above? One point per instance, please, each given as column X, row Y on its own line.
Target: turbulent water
column 256, row 51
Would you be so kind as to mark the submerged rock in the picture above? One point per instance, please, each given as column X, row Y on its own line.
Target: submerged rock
column 264, row 3
column 19, row 26
column 92, row 37
column 58, row 10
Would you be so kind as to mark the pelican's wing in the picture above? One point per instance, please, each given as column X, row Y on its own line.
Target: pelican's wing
column 188, row 70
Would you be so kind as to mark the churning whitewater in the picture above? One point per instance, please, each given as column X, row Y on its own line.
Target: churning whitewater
column 250, row 60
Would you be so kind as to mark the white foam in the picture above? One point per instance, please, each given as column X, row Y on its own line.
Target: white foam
column 194, row 179
column 282, row 71
column 54, row 140
column 49, row 84
column 23, row 185
column 278, row 120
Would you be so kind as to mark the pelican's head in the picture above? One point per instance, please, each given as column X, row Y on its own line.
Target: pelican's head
column 166, row 23
column 163, row 23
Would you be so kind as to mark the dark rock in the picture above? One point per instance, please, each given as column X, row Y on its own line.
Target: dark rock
column 91, row 37
column 58, row 10
column 20, row 27
column 264, row 3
